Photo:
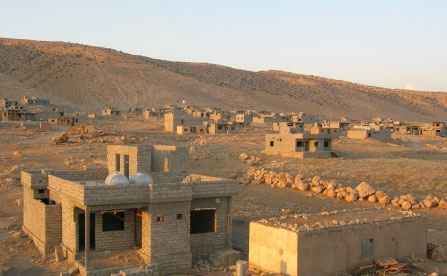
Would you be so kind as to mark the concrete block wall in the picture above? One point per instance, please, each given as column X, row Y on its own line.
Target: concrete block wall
column 166, row 238
column 341, row 248
column 115, row 240
column 69, row 228
column 43, row 223
column 274, row 249
column 337, row 249
column 202, row 245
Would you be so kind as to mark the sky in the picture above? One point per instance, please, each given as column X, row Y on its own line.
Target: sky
column 389, row 43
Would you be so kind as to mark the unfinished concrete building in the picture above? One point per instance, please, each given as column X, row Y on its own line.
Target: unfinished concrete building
column 176, row 117
column 296, row 143
column 276, row 126
column 433, row 129
column 358, row 133
column 333, row 243
column 34, row 100
column 110, row 111
column 147, row 206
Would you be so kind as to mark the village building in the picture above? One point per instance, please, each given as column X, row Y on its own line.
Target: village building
column 276, row 126
column 175, row 118
column 110, row 111
column 433, row 129
column 243, row 118
column 334, row 243
column 7, row 103
column 33, row 100
column 296, row 143
column 16, row 113
column 358, row 133
column 265, row 117
column 147, row 206
column 221, row 127
column 64, row 120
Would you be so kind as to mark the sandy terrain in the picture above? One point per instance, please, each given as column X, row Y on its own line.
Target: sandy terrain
column 396, row 165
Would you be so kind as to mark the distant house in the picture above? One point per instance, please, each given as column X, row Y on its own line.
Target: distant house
column 296, row 143
column 432, row 129
column 358, row 133
column 110, row 111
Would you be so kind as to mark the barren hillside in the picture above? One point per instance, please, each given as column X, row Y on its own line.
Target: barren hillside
column 88, row 77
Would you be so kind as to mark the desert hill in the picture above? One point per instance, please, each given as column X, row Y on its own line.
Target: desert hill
column 89, row 77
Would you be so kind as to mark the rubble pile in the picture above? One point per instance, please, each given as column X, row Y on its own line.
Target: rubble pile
column 88, row 134
column 250, row 160
column 329, row 188
column 303, row 222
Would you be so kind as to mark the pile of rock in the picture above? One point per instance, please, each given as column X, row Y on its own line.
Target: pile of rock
column 317, row 186
column 250, row 160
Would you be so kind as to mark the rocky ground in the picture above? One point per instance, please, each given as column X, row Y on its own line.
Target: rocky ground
column 395, row 165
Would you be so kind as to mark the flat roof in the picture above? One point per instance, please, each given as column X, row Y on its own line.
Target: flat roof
column 329, row 219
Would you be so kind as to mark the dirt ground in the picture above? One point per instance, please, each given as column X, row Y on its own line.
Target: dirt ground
column 396, row 165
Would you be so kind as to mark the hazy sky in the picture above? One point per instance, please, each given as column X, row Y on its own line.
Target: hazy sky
column 391, row 43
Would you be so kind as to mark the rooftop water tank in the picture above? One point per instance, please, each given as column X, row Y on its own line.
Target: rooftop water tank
column 141, row 179
column 116, row 179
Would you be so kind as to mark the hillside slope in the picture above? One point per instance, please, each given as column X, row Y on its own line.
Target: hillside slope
column 89, row 77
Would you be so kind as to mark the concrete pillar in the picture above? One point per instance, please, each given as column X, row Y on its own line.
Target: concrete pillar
column 241, row 268
column 87, row 236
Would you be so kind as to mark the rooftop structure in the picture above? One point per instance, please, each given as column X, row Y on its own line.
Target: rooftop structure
column 147, row 204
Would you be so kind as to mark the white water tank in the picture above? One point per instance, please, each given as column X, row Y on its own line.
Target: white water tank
column 141, row 179
column 116, row 179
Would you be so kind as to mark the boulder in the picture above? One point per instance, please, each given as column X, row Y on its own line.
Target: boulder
column 352, row 196
column 395, row 202
column 372, row 198
column 385, row 200
column 429, row 202
column 330, row 193
column 380, row 194
column 316, row 188
column 442, row 204
column 365, row 190
column 406, row 205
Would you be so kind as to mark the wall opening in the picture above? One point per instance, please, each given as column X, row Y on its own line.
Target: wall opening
column 117, row 162
column 272, row 143
column 203, row 221
column 113, row 221
column 81, row 231
column 126, row 166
